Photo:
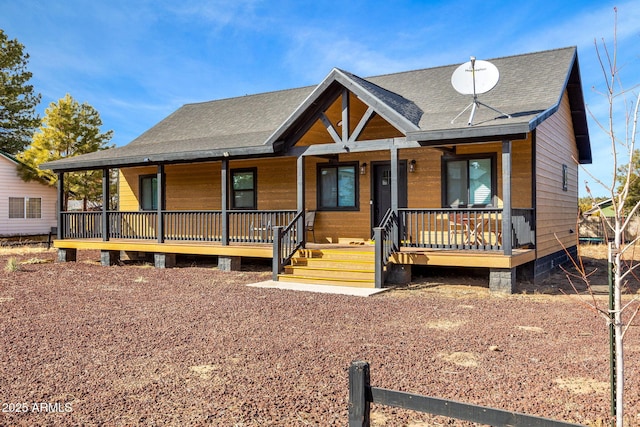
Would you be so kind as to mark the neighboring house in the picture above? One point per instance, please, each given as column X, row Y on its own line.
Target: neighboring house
column 26, row 208
column 382, row 162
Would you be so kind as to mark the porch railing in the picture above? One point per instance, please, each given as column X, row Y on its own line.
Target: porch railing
column 82, row 225
column 479, row 229
column 475, row 229
column 244, row 226
column 287, row 240
column 385, row 237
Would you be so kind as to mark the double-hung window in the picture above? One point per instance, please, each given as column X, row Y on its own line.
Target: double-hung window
column 338, row 186
column 469, row 181
column 243, row 189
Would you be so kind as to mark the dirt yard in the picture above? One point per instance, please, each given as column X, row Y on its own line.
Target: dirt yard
column 134, row 345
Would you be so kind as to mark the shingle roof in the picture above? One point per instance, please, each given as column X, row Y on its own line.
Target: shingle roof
column 420, row 103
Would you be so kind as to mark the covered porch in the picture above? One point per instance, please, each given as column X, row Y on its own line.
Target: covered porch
column 432, row 237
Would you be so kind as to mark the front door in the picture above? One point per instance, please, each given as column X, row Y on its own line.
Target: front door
column 381, row 194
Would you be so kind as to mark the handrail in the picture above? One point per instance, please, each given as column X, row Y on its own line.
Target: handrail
column 286, row 241
column 385, row 237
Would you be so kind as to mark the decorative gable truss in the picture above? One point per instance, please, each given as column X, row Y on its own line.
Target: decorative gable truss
column 345, row 109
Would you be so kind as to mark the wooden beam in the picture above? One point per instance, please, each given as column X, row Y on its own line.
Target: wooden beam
column 361, row 124
column 345, row 115
column 191, row 248
column 161, row 193
column 330, row 128
column 506, row 197
column 105, row 204
column 224, row 187
column 60, row 204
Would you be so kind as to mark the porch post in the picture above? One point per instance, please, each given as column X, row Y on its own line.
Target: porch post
column 161, row 202
column 224, row 178
column 300, row 181
column 60, row 205
column 105, row 204
column 506, row 198
column 394, row 193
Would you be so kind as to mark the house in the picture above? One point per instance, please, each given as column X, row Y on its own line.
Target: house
column 26, row 208
column 387, row 167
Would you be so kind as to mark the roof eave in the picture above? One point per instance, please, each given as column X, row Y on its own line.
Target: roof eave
column 470, row 134
column 152, row 159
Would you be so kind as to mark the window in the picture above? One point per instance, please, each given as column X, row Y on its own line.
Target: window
column 469, row 181
column 337, row 187
column 16, row 207
column 34, row 207
column 243, row 189
column 149, row 192
column 25, row 207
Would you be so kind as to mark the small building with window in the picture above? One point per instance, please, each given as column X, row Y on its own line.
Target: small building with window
column 26, row 208
column 386, row 164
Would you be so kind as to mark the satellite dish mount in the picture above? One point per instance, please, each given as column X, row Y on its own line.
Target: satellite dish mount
column 473, row 78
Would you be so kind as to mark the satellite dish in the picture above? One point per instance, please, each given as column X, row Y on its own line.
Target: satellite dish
column 475, row 77
column 472, row 78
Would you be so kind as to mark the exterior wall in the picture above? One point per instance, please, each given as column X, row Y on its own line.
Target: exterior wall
column 14, row 186
column 556, row 210
column 197, row 186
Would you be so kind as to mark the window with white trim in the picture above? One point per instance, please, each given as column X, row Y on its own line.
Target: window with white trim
column 25, row 207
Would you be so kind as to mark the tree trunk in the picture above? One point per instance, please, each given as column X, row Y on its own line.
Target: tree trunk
column 618, row 326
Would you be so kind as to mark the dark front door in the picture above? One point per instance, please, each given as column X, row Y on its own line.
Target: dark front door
column 381, row 193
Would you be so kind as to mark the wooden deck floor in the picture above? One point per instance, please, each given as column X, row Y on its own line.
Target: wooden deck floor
column 416, row 256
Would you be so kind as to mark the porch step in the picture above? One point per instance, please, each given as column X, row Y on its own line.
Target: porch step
column 342, row 267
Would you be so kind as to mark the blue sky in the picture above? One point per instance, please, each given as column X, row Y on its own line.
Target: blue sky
column 136, row 61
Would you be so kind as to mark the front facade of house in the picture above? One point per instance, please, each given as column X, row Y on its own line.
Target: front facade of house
column 384, row 163
column 26, row 208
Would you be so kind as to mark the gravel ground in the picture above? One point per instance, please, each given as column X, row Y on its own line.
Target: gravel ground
column 134, row 345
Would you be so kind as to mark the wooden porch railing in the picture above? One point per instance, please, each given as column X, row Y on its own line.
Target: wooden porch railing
column 81, row 225
column 287, row 240
column 385, row 238
column 244, row 226
column 472, row 229
column 479, row 229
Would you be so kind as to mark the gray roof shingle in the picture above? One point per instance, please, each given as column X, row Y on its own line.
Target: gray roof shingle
column 423, row 101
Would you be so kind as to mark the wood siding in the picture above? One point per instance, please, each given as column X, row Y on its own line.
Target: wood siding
column 197, row 186
column 557, row 210
column 14, row 186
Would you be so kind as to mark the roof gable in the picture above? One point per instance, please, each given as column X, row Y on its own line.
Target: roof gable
column 400, row 112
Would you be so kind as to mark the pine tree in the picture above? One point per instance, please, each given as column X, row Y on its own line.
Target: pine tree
column 18, row 118
column 68, row 129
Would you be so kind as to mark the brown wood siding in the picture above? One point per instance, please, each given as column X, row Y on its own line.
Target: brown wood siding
column 556, row 210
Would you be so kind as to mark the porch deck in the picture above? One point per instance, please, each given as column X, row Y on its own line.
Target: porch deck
column 407, row 255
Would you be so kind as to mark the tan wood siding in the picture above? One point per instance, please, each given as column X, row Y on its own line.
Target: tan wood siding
column 197, row 186
column 556, row 210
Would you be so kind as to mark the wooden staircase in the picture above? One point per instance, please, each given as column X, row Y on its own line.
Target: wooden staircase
column 335, row 266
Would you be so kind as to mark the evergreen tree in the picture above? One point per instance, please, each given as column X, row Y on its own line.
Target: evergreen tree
column 18, row 118
column 68, row 129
